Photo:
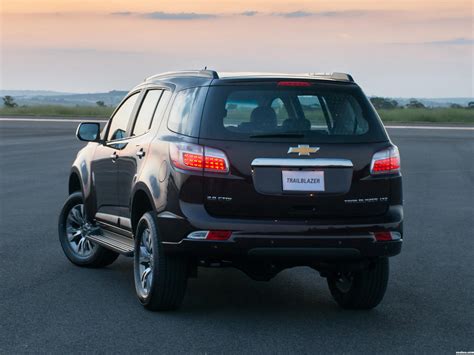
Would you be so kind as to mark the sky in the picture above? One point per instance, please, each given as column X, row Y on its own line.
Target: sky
column 417, row 48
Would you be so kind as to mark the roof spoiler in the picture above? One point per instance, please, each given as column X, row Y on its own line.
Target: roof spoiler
column 211, row 74
column 335, row 76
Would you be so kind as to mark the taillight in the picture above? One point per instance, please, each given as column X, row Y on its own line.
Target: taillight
column 386, row 161
column 188, row 156
column 215, row 160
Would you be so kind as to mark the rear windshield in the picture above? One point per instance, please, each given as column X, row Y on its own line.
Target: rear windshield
column 318, row 113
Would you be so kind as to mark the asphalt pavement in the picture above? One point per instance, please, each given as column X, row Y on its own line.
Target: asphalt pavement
column 49, row 305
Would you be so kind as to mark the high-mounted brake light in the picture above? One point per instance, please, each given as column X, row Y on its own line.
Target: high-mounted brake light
column 188, row 156
column 386, row 161
column 294, row 83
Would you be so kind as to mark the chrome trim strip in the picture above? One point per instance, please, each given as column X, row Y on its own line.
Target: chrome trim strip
column 198, row 235
column 167, row 214
column 319, row 162
column 201, row 236
column 396, row 236
column 107, row 217
column 125, row 222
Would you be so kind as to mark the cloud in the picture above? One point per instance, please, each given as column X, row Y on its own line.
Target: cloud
column 301, row 13
column 444, row 42
column 160, row 15
column 249, row 13
column 295, row 14
column 183, row 16
column 122, row 13
column 452, row 42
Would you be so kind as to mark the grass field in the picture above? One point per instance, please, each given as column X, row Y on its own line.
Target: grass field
column 58, row 111
column 407, row 115
column 427, row 115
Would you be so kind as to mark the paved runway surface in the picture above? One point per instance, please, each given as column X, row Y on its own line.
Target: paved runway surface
column 49, row 305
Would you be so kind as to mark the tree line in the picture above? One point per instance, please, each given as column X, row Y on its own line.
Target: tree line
column 9, row 101
column 389, row 104
column 378, row 102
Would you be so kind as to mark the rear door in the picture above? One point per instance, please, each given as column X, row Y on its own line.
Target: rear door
column 296, row 151
column 133, row 156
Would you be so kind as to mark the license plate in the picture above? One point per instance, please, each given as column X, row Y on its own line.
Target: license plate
column 303, row 180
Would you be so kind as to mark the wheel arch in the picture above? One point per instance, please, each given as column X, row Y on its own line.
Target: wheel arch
column 141, row 203
column 74, row 184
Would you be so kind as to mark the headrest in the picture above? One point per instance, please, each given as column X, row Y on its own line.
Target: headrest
column 263, row 117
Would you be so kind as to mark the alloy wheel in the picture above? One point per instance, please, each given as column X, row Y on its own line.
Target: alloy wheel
column 145, row 261
column 77, row 229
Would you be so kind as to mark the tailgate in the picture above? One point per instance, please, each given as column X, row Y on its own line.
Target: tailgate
column 337, row 184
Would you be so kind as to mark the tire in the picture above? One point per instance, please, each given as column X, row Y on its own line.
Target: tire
column 72, row 228
column 160, row 279
column 362, row 289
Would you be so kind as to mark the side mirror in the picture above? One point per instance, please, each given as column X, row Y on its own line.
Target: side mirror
column 88, row 132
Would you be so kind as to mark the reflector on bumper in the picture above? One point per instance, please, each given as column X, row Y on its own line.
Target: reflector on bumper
column 210, row 235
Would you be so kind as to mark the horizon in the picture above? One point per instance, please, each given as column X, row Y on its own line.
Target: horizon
column 126, row 91
column 408, row 49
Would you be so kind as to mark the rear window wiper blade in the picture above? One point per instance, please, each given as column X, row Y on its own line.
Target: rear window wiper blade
column 278, row 135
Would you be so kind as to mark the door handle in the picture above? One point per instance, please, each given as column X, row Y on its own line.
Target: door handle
column 140, row 153
column 114, row 156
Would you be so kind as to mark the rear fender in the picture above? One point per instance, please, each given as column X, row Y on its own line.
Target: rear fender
column 141, row 201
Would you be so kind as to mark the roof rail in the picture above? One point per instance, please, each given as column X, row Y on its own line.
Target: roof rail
column 212, row 74
column 341, row 76
column 335, row 76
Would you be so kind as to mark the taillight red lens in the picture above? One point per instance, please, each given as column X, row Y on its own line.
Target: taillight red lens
column 218, row 235
column 192, row 160
column 386, row 161
column 383, row 236
column 294, row 83
column 215, row 161
column 188, row 156
column 214, row 164
column 388, row 164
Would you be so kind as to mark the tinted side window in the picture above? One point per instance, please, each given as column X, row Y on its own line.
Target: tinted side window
column 312, row 109
column 281, row 112
column 165, row 98
column 145, row 115
column 186, row 112
column 118, row 126
column 346, row 115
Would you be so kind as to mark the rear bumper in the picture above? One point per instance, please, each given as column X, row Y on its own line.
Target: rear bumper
column 301, row 248
column 266, row 239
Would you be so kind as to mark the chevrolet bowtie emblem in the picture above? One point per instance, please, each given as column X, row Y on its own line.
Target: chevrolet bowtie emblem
column 303, row 149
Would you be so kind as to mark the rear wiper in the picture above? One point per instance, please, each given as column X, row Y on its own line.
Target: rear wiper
column 278, row 135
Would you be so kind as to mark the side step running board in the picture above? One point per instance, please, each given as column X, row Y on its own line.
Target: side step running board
column 114, row 241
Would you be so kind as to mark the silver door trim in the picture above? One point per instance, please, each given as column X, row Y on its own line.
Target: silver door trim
column 107, row 217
